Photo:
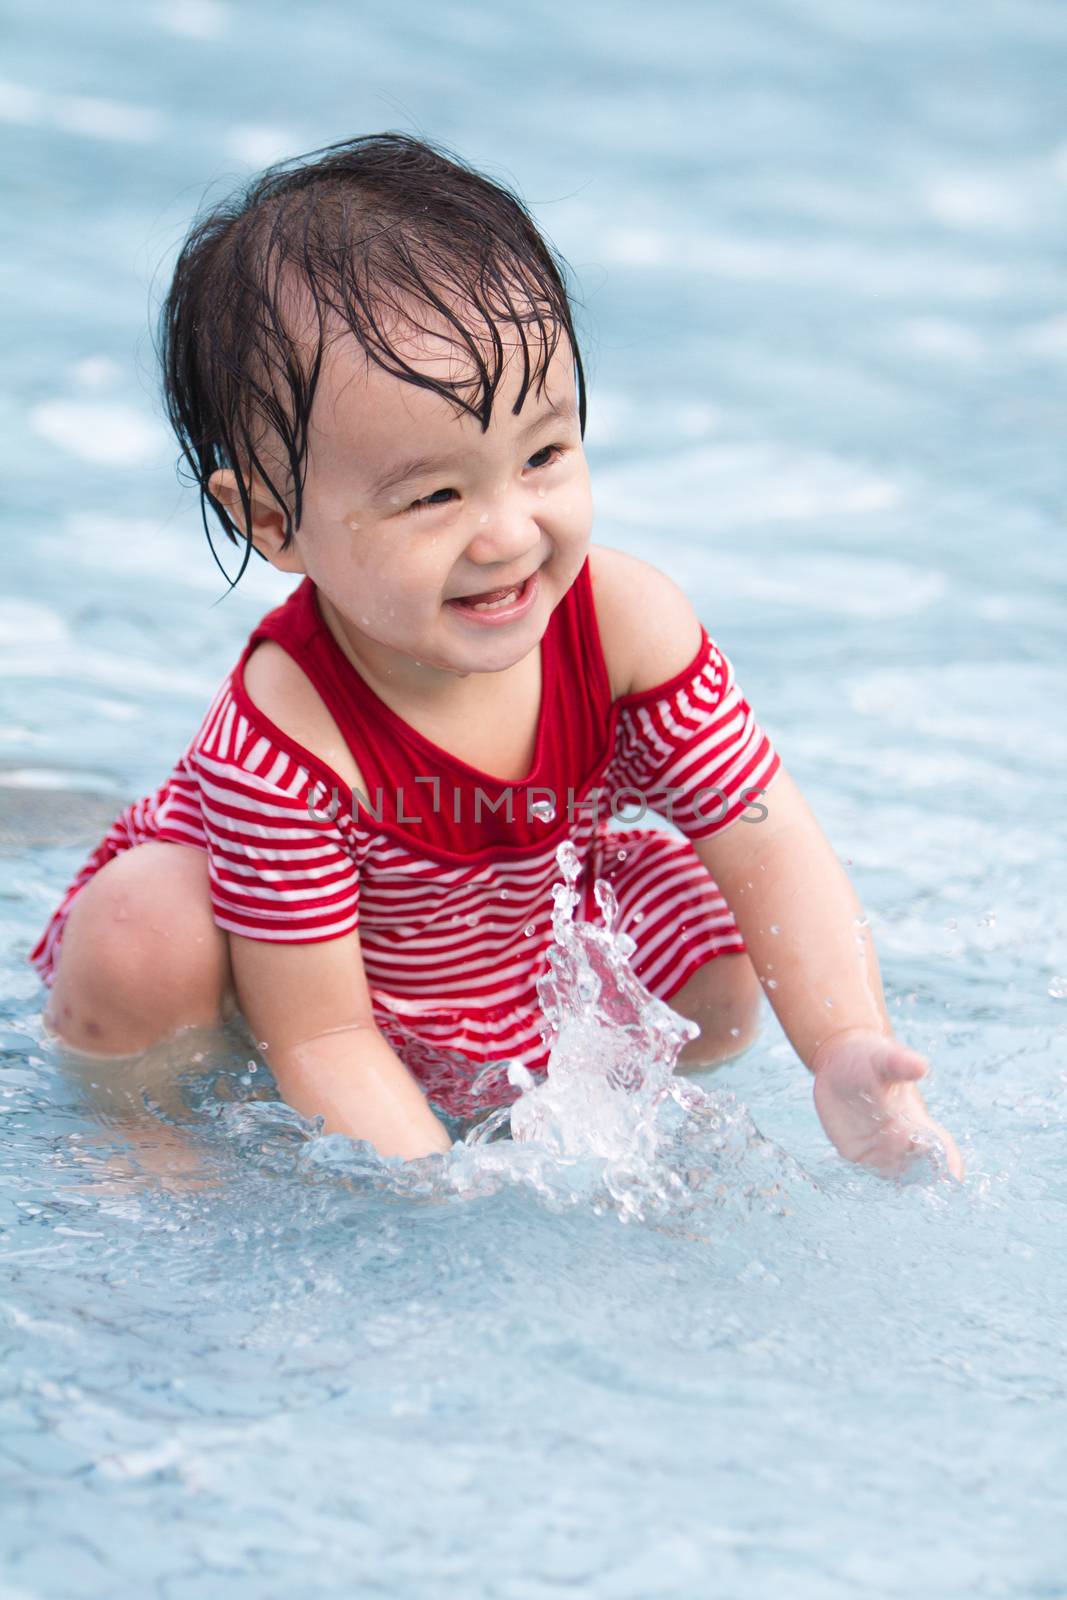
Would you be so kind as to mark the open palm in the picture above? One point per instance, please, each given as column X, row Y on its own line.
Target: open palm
column 868, row 1101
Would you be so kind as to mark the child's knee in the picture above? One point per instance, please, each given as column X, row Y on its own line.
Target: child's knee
column 141, row 954
column 724, row 998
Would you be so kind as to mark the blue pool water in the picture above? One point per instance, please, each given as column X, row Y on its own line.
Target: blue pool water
column 820, row 245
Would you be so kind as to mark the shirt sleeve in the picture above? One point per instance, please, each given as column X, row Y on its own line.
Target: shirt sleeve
column 691, row 749
column 281, row 861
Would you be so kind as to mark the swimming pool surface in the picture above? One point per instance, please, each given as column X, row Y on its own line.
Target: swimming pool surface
column 820, row 245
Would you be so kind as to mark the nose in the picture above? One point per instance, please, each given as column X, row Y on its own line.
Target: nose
column 504, row 530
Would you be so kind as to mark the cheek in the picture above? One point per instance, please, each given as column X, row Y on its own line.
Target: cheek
column 576, row 507
column 397, row 577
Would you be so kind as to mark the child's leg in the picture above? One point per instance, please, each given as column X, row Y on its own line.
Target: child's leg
column 141, row 955
column 675, row 913
column 723, row 996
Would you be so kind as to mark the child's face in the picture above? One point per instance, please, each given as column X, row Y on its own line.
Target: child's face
column 410, row 509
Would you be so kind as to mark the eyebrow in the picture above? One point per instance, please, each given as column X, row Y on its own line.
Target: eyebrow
column 417, row 466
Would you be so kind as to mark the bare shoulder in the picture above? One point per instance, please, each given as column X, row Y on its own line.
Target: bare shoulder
column 648, row 627
column 287, row 697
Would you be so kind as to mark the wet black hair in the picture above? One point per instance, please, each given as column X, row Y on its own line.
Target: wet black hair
column 380, row 230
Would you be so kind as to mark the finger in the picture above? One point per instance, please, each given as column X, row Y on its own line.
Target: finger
column 953, row 1159
column 901, row 1065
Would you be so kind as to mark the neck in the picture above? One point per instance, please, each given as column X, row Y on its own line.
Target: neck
column 390, row 673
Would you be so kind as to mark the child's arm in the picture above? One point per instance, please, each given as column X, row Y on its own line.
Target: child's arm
column 781, row 873
column 820, row 972
column 310, row 1006
column 309, row 1003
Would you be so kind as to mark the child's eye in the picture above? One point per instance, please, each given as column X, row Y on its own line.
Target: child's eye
column 440, row 497
column 545, row 456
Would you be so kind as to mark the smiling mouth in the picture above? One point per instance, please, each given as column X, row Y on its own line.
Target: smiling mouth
column 492, row 599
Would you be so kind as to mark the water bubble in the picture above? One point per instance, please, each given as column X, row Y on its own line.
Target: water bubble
column 620, row 855
column 1058, row 988
column 638, row 916
column 604, row 895
column 505, row 894
column 530, row 929
column 471, row 919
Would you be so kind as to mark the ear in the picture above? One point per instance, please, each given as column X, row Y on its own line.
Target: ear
column 268, row 521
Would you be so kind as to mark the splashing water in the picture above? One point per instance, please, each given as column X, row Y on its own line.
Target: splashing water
column 610, row 1119
column 609, row 1127
column 613, row 1044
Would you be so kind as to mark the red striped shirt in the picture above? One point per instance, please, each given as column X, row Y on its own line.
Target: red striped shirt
column 455, row 915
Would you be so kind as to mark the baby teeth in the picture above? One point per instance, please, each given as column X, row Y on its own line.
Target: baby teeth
column 494, row 605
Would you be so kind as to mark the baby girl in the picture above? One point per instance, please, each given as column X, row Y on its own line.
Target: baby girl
column 371, row 364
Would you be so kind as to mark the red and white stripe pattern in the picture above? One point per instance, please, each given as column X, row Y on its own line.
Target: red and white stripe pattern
column 453, row 946
column 694, row 753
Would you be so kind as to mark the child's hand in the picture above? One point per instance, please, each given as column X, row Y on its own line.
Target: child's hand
column 868, row 1102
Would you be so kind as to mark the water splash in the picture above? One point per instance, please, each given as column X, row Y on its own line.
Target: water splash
column 611, row 1124
column 613, row 1045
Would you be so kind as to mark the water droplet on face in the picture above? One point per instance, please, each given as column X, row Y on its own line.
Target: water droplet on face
column 735, row 1033
column 1058, row 988
column 263, row 1045
column 354, row 526
column 772, row 983
column 775, row 928
column 829, row 1004
column 863, row 922
column 540, row 494
column 484, row 518
column 365, row 621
